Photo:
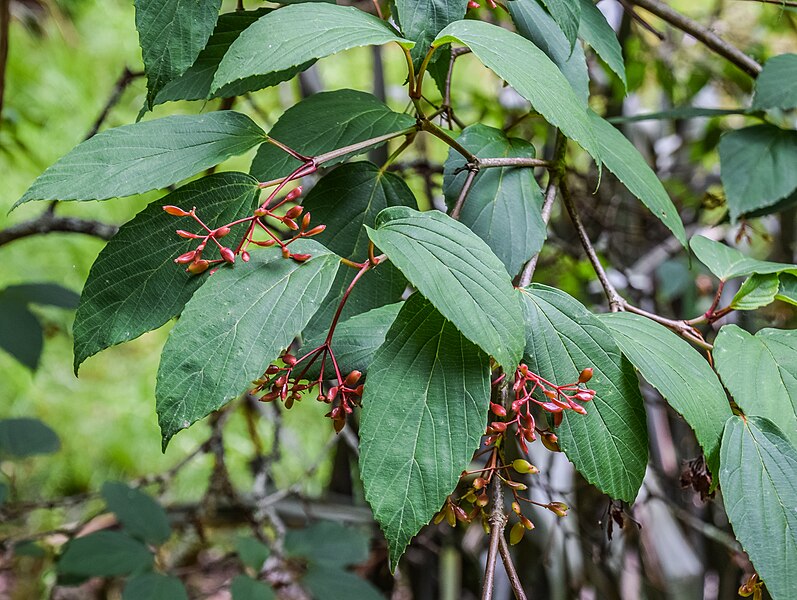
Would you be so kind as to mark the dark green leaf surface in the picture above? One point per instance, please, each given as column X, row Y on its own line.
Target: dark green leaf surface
column 3, row 495
column 252, row 552
column 624, row 160
column 682, row 112
column 141, row 516
column 788, row 288
column 678, row 371
column 527, row 69
column 232, row 329
column 328, row 543
column 537, row 26
column 428, row 387
column 195, row 83
column 459, row 274
column 608, row 445
column 776, row 85
column 422, row 20
column 171, row 34
column 23, row 437
column 20, row 333
column 756, row 291
column 133, row 159
column 567, row 14
column 596, row 31
column 322, row 123
column 757, row 167
column 503, row 205
column 329, row 583
column 766, row 383
column 760, row 492
column 294, row 35
column 105, row 554
column 49, row 294
column 727, row 263
column 154, row 586
column 356, row 339
column 134, row 286
column 246, row 588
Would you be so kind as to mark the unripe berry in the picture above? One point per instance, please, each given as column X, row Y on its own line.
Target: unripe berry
column 516, row 508
column 524, row 466
column 558, row 508
column 550, row 441
column 585, row 375
column 199, row 266
column 187, row 234
column 228, row 255
column 294, row 212
column 482, row 500
column 479, row 483
column 526, row 523
column 175, row 211
column 186, row 258
column 245, row 256
column 498, row 426
column 221, row 232
column 352, row 378
column 315, row 230
column 516, row 533
column 293, row 194
column 301, row 257
column 497, row 409
column 290, row 223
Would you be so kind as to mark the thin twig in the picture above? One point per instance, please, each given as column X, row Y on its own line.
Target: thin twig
column 509, row 565
column 49, row 223
column 701, row 33
column 491, row 163
column 497, row 523
column 463, row 194
column 125, row 79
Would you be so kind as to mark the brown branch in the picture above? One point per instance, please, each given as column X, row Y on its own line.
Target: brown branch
column 463, row 194
column 701, row 33
column 491, row 163
column 125, row 79
column 511, row 571
column 49, row 223
column 497, row 523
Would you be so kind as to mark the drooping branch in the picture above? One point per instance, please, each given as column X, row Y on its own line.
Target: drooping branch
column 701, row 33
column 49, row 223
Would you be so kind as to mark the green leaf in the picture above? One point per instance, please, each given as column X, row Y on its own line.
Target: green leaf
column 766, row 385
column 246, row 588
column 195, row 83
column 329, row 583
column 145, row 156
column 171, row 34
column 503, row 205
column 322, row 123
column 596, row 31
column 624, row 160
column 327, row 543
column 422, row 20
column 356, row 339
column 757, row 291
column 294, row 35
column 678, row 371
column 141, row 516
column 233, row 328
column 428, row 387
column 134, row 286
column 23, row 437
column 760, row 492
column 154, row 586
column 527, row 69
column 253, row 553
column 608, row 445
column 459, row 274
column 757, row 167
column 727, row 263
column 3, row 493
column 567, row 15
column 776, row 85
column 104, row 554
column 788, row 288
column 537, row 26
column 346, row 199
column 49, row 294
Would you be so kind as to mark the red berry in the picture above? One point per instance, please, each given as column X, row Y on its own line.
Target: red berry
column 245, row 256
column 301, row 257
column 221, row 232
column 294, row 212
column 293, row 194
column 497, row 409
column 585, row 375
column 175, row 211
column 228, row 255
column 186, row 258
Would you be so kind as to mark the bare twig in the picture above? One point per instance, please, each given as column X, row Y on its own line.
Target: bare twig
column 701, row 33
column 509, row 565
column 497, row 523
column 463, row 194
column 49, row 223
column 491, row 163
column 125, row 79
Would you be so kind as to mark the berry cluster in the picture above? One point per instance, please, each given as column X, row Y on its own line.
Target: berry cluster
column 301, row 228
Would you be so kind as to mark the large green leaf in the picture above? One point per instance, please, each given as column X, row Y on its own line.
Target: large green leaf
column 756, row 291
column 154, row 586
column 682, row 376
column 329, row 583
column 252, row 552
column 527, row 69
column 608, row 445
column 134, row 286
column 233, row 328
column 422, row 20
column 776, row 85
column 727, row 263
column 624, row 160
column 195, row 83
column 503, row 205
column 171, row 34
column 23, row 437
column 760, row 492
column 322, row 123
column 105, row 554
column 788, row 288
column 145, row 156
column 356, row 339
column 757, row 167
column 327, row 543
column 141, row 516
column 246, row 588
column 345, row 200
column 567, row 15
column 459, row 274
column 424, row 412
column 766, row 385
column 537, row 26
column 596, row 31
column 294, row 35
